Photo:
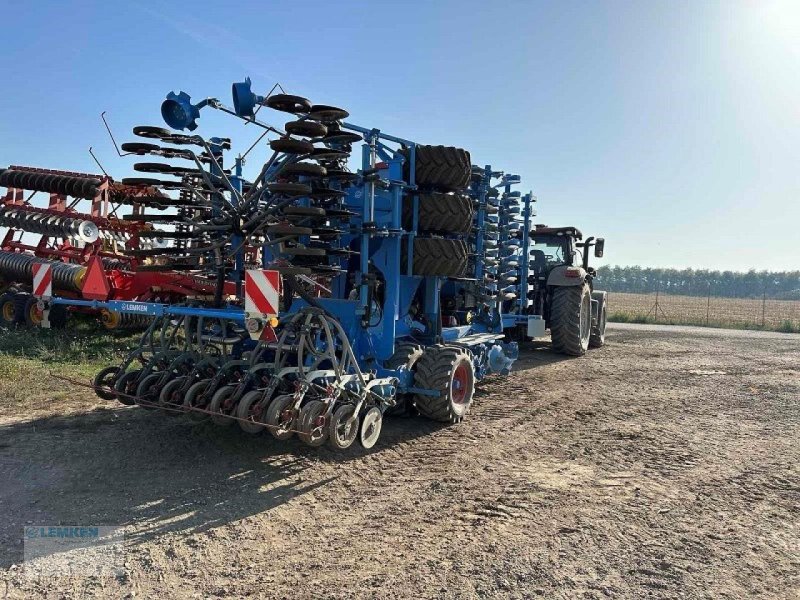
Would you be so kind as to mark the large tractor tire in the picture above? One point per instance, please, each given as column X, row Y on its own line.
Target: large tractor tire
column 448, row 370
column 571, row 319
column 441, row 167
column 440, row 213
column 598, row 337
column 437, row 257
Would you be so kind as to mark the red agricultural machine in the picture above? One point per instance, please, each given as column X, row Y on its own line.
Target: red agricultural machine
column 69, row 221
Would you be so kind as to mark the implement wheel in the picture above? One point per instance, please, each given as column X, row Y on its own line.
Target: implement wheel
column 438, row 212
column 571, row 319
column 126, row 387
column 218, row 406
column 311, row 422
column 251, row 409
column 437, row 257
column 10, row 312
column 343, row 429
column 104, row 383
column 448, row 370
column 196, row 398
column 170, row 400
column 280, row 417
column 441, row 167
column 370, row 430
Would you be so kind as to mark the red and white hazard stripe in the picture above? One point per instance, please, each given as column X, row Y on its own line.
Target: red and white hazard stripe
column 42, row 280
column 262, row 291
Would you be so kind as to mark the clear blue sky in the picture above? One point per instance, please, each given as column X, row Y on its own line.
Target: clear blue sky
column 670, row 128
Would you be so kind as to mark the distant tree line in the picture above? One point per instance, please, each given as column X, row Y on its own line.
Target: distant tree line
column 783, row 285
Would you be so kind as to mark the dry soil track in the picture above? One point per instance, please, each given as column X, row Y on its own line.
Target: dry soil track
column 666, row 464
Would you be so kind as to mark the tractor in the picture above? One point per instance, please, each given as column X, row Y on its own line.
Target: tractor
column 561, row 290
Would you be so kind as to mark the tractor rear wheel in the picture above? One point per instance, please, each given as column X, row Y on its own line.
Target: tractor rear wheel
column 438, row 212
column 448, row 370
column 598, row 337
column 571, row 319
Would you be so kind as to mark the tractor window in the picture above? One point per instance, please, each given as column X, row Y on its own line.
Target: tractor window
column 552, row 249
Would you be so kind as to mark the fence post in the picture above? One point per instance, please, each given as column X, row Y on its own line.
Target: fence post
column 708, row 303
column 764, row 309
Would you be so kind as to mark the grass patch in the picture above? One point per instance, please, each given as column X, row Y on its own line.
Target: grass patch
column 785, row 326
column 80, row 349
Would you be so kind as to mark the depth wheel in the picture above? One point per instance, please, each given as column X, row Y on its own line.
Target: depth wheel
column 147, row 391
column 280, row 417
column 448, row 370
column 170, row 400
column 344, row 427
column 218, row 406
column 370, row 429
column 196, row 398
column 104, row 383
column 126, row 387
column 251, row 409
column 311, row 422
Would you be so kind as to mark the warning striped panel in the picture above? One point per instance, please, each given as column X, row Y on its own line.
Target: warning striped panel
column 42, row 280
column 262, row 290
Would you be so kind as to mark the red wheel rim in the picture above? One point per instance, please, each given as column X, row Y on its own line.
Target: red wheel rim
column 460, row 384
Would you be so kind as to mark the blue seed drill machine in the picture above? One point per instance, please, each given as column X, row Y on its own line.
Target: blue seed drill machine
column 341, row 295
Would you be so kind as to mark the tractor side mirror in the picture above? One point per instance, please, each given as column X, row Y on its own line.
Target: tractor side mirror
column 599, row 245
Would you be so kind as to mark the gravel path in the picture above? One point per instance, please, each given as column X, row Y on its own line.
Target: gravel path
column 664, row 465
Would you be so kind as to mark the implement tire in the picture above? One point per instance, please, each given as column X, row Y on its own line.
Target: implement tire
column 437, row 257
column 450, row 371
column 440, row 213
column 10, row 313
column 441, row 167
column 571, row 319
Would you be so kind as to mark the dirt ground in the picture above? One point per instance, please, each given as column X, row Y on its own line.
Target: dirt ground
column 665, row 465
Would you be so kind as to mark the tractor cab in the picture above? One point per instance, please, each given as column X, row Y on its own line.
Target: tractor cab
column 552, row 247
